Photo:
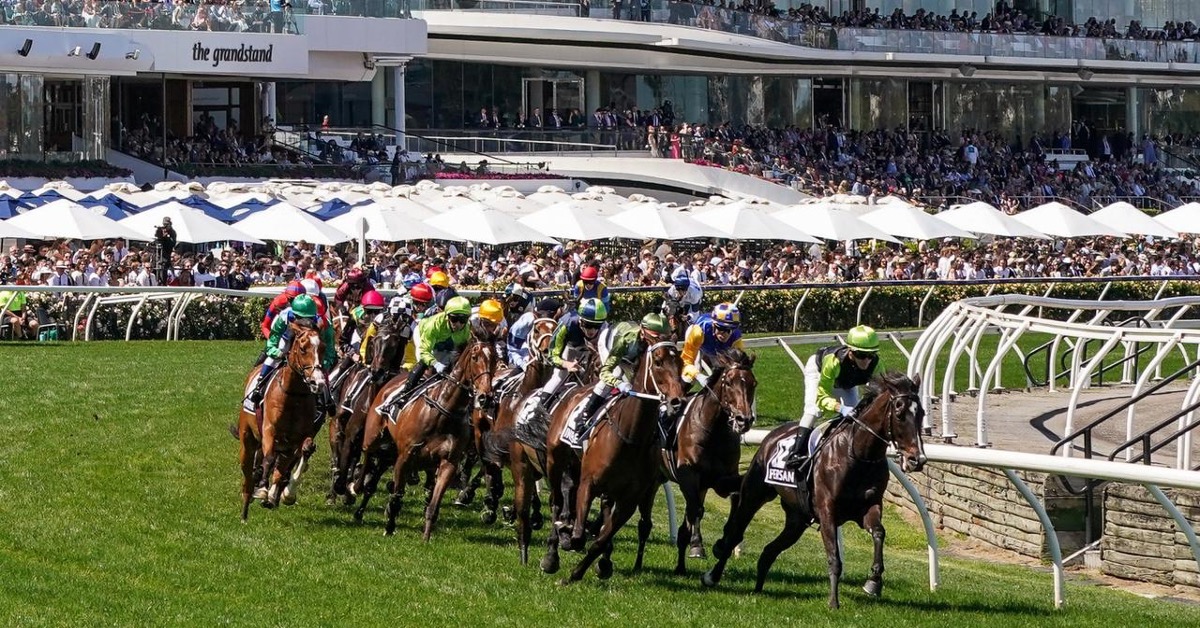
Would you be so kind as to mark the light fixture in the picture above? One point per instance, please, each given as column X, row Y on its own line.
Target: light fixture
column 1086, row 74
column 74, row 52
column 966, row 70
column 133, row 56
column 94, row 52
column 368, row 62
column 24, row 50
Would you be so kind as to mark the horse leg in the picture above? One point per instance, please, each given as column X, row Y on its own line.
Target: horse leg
column 834, row 556
column 495, row 486
column 469, row 483
column 299, row 467
column 690, row 523
column 550, row 562
column 396, row 491
column 742, row 508
column 873, row 523
column 372, row 470
column 536, row 519
column 522, row 489
column 615, row 517
column 336, row 440
column 583, row 504
column 445, row 474
column 793, row 526
column 645, row 524
column 249, row 447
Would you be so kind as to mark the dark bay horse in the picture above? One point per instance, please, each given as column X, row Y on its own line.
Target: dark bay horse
column 708, row 447
column 432, row 430
column 848, row 478
column 619, row 464
column 346, row 428
column 273, row 447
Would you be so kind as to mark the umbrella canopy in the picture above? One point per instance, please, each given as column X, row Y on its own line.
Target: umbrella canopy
column 570, row 220
column 9, row 230
column 233, row 201
column 284, row 221
column 332, row 208
column 1056, row 219
column 908, row 221
column 1184, row 219
column 29, row 199
column 68, row 219
column 109, row 207
column 738, row 221
column 980, row 217
column 191, row 225
column 651, row 220
column 58, row 191
column 548, row 195
column 9, row 206
column 479, row 223
column 388, row 224
column 1125, row 217
column 207, row 207
column 822, row 221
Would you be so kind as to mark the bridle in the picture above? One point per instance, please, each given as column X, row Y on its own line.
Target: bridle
column 481, row 401
column 647, row 376
column 306, row 372
column 897, row 407
column 723, row 406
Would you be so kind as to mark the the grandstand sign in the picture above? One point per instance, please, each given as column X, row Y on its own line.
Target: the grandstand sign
column 245, row 54
column 241, row 54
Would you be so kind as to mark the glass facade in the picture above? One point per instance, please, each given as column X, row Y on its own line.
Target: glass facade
column 1164, row 111
column 1016, row 109
column 877, row 104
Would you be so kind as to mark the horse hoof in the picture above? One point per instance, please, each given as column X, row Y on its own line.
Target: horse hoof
column 331, row 500
column 537, row 521
column 604, row 569
column 289, row 498
column 707, row 580
column 260, row 493
column 266, row 503
column 549, row 564
column 873, row 588
column 348, row 500
column 697, row 551
column 358, row 516
column 465, row 498
column 508, row 514
column 488, row 517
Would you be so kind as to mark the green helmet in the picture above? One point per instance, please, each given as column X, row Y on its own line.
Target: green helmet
column 458, row 305
column 593, row 310
column 862, row 338
column 303, row 305
column 656, row 323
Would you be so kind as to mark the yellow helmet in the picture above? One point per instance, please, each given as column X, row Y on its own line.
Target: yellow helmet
column 439, row 279
column 491, row 310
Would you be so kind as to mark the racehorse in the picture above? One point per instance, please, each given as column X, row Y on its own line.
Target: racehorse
column 620, row 461
column 432, row 428
column 346, row 428
column 849, row 474
column 708, row 447
column 273, row 447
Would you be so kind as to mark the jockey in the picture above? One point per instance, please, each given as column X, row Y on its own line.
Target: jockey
column 574, row 332
column 590, row 286
column 682, row 297
column 303, row 308
column 711, row 335
column 624, row 348
column 439, row 339
column 442, row 291
column 518, row 333
column 354, row 334
column 490, row 315
column 280, row 303
column 516, row 302
column 421, row 296
column 312, row 287
column 350, row 292
column 831, row 380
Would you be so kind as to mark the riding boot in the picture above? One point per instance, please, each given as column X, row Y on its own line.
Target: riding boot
column 414, row 378
column 256, row 394
column 584, row 423
column 799, row 452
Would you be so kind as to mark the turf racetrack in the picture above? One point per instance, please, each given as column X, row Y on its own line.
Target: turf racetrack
column 119, row 502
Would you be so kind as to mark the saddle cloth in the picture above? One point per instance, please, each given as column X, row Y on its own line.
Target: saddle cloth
column 567, row 436
column 777, row 471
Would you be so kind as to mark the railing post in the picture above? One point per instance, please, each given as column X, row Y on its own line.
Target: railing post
column 133, row 316
column 1048, row 528
column 921, row 310
column 861, row 304
column 931, row 542
column 796, row 312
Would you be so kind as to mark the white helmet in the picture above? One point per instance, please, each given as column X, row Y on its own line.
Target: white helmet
column 400, row 307
column 311, row 286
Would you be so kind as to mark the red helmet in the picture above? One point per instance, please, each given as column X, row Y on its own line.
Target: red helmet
column 356, row 275
column 372, row 300
column 589, row 273
column 421, row 293
column 317, row 279
column 294, row 288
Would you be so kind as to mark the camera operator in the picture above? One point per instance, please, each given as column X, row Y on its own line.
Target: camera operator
column 164, row 242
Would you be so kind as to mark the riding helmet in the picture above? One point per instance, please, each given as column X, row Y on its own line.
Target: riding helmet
column 311, row 286
column 458, row 305
column 655, row 322
column 593, row 311
column 549, row 306
column 356, row 276
column 372, row 300
column 439, row 279
column 294, row 288
column 862, row 338
column 304, row 306
column 726, row 315
column 421, row 293
column 589, row 273
column 491, row 310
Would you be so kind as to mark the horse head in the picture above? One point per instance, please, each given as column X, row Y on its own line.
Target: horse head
column 304, row 355
column 658, row 374
column 540, row 338
column 733, row 383
column 899, row 424
column 477, row 364
column 385, row 349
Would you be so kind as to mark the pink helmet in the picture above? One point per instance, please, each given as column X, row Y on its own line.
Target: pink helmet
column 372, row 300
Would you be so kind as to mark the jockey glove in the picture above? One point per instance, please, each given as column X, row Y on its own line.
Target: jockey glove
column 439, row 368
column 625, row 388
column 847, row 411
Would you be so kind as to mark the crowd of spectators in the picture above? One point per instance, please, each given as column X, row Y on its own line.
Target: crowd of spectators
column 266, row 16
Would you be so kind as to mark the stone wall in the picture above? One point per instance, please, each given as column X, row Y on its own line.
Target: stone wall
column 1142, row 542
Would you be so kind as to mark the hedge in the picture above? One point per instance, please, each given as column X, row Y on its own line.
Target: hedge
column 763, row 311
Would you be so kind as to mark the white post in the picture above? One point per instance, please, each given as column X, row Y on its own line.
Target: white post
column 398, row 102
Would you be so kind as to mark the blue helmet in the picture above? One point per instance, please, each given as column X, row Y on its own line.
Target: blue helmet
column 726, row 315
column 682, row 281
column 593, row 311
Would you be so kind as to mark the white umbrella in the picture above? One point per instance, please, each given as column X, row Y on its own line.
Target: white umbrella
column 388, row 224
column 68, row 219
column 1056, row 219
column 570, row 220
column 980, row 217
column 821, row 221
column 9, row 230
column 479, row 223
column 908, row 221
column 1184, row 219
column 284, row 221
column 233, row 200
column 511, row 204
column 651, row 220
column 190, row 224
column 548, row 195
column 737, row 221
column 1125, row 217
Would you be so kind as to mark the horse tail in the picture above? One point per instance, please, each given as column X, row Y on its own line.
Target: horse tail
column 495, row 445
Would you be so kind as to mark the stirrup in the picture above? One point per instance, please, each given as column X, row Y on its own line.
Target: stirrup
column 795, row 460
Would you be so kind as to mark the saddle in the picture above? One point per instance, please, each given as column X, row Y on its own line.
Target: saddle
column 568, row 431
column 397, row 400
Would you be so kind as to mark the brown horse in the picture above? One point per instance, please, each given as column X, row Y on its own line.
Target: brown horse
column 848, row 478
column 619, row 464
column 432, row 428
column 708, row 448
column 346, row 428
column 289, row 410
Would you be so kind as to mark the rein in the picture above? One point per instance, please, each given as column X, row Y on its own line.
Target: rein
column 894, row 409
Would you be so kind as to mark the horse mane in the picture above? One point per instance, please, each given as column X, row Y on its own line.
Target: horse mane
column 731, row 358
column 482, row 331
column 888, row 381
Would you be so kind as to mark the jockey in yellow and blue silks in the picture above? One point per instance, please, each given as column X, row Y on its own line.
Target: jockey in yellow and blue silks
column 711, row 335
column 590, row 286
column 303, row 308
column 440, row 338
column 831, row 380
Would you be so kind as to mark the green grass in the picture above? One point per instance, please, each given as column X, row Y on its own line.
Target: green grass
column 118, row 497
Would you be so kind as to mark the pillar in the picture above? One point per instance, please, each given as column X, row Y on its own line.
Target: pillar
column 591, row 92
column 271, row 102
column 96, row 116
column 398, row 95
column 379, row 99
column 1133, row 121
column 32, row 116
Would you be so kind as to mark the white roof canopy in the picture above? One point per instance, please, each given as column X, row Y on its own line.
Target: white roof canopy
column 68, row 219
column 1056, row 219
column 477, row 222
column 908, row 221
column 284, row 221
column 831, row 224
column 980, row 217
column 1125, row 217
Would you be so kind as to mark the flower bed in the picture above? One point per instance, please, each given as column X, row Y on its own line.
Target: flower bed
column 15, row 168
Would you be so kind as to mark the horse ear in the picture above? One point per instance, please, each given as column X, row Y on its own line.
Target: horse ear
column 751, row 359
column 916, row 380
